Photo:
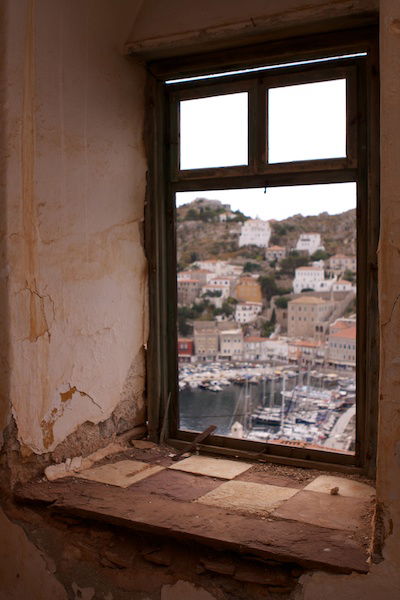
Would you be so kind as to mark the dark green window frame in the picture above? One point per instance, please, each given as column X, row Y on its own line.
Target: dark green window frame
column 360, row 165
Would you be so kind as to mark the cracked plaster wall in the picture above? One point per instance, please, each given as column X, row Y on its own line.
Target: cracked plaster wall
column 75, row 181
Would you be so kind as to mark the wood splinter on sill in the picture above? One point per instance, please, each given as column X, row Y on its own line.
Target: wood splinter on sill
column 334, row 491
column 197, row 440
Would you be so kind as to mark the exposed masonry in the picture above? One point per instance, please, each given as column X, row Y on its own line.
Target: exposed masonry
column 125, row 565
column 24, row 464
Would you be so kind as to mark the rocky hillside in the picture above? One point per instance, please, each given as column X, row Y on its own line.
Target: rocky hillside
column 337, row 231
column 201, row 234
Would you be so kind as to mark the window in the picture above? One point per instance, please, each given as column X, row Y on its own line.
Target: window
column 283, row 131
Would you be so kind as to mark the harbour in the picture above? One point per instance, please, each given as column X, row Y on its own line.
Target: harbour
column 269, row 403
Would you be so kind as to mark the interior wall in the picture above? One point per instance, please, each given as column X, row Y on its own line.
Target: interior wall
column 73, row 273
column 75, row 184
column 177, row 26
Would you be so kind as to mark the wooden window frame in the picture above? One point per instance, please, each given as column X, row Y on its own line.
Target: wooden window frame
column 361, row 166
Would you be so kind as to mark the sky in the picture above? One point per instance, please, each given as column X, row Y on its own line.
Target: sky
column 306, row 121
column 282, row 202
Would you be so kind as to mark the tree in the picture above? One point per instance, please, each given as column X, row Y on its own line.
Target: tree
column 212, row 294
column 282, row 302
column 268, row 286
column 320, row 255
column 249, row 267
column 292, row 262
column 192, row 215
column 227, row 308
column 266, row 329
column 349, row 275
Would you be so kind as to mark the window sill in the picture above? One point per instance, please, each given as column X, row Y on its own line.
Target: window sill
column 306, row 530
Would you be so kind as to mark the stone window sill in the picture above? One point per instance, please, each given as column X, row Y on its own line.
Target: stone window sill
column 266, row 512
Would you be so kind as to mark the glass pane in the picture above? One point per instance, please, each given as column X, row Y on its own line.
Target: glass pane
column 267, row 313
column 213, row 131
column 307, row 121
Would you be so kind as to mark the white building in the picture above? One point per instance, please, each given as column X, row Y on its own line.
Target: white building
column 341, row 262
column 226, row 282
column 260, row 348
column 255, row 232
column 309, row 242
column 246, row 312
column 216, row 294
column 217, row 267
column 311, row 278
column 199, row 274
column 343, row 286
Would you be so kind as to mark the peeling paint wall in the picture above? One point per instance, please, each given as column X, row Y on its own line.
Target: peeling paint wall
column 75, row 193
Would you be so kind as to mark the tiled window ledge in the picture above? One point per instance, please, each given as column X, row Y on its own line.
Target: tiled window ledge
column 227, row 505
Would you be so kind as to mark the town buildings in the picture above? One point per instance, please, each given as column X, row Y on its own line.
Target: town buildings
column 305, row 352
column 255, row 232
column 311, row 278
column 309, row 242
column 342, row 344
column 231, row 344
column 206, row 340
column 341, row 262
column 246, row 312
column 275, row 253
column 188, row 290
column 256, row 348
column 306, row 313
column 342, row 285
column 185, row 349
column 248, row 290
column 200, row 275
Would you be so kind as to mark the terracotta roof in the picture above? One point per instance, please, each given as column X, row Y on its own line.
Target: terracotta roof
column 231, row 331
column 308, row 300
column 306, row 343
column 340, row 324
column 253, row 338
column 342, row 256
column 276, row 248
column 251, row 303
column 349, row 333
column 309, row 269
column 188, row 281
column 344, row 281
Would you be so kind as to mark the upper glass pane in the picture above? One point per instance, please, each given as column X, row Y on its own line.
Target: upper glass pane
column 307, row 121
column 214, row 131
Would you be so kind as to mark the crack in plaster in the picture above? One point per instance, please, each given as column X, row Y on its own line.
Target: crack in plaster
column 47, row 424
column 392, row 311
